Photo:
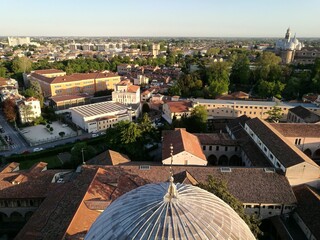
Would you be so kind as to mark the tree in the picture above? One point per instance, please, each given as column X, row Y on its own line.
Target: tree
column 129, row 132
column 270, row 89
column 79, row 149
column 220, row 189
column 9, row 110
column 3, row 72
column 145, row 124
column 240, row 72
column 217, row 78
column 187, row 84
column 145, row 108
column 275, row 114
column 21, row 65
column 35, row 90
column 213, row 51
column 198, row 119
column 195, row 123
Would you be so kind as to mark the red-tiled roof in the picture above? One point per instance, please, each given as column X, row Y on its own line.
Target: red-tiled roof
column 277, row 144
column 133, row 88
column 298, row 129
column 309, row 207
column 72, row 207
column 179, row 106
column 109, row 157
column 74, row 77
column 10, row 167
column 69, row 97
column 181, row 141
column 48, row 71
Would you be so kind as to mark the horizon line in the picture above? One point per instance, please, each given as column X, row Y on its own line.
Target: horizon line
column 123, row 36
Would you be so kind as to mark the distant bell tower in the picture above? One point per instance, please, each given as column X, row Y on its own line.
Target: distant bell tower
column 155, row 50
column 288, row 34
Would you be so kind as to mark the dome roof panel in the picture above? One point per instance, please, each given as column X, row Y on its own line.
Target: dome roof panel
column 148, row 213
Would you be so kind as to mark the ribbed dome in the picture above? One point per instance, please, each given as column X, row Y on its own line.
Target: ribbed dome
column 151, row 212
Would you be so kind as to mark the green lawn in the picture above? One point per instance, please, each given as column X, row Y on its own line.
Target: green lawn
column 53, row 162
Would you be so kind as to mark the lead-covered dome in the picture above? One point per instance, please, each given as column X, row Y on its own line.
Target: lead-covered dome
column 168, row 211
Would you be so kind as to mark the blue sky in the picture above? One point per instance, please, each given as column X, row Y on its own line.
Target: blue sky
column 199, row 18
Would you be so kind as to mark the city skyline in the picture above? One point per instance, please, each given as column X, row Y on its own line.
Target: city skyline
column 144, row 18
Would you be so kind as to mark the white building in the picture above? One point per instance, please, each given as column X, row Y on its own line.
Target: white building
column 289, row 43
column 99, row 116
column 186, row 148
column 126, row 93
column 8, row 88
column 29, row 109
column 141, row 80
column 217, row 108
column 15, row 41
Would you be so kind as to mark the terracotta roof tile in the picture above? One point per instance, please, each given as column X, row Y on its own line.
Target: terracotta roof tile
column 298, row 129
column 215, row 139
column 182, row 141
column 309, row 207
column 10, row 167
column 48, row 71
column 179, row 106
column 69, row 97
column 133, row 88
column 70, row 208
column 305, row 114
column 278, row 144
column 109, row 157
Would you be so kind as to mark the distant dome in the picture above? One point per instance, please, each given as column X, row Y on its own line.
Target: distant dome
column 151, row 212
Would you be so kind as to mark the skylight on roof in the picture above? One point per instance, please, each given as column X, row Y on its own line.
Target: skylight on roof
column 225, row 169
column 144, row 167
column 269, row 170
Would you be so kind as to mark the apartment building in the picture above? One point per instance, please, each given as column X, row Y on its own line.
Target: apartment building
column 76, row 83
column 8, row 88
column 29, row 109
column 126, row 93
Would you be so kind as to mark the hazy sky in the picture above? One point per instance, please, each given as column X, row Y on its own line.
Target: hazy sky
column 200, row 18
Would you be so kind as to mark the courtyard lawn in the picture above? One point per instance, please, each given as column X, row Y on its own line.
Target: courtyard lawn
column 53, row 162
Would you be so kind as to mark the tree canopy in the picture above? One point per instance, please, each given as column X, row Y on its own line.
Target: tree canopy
column 9, row 110
column 130, row 138
column 220, row 189
column 275, row 114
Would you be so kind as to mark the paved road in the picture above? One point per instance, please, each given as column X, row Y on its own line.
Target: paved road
column 17, row 141
column 19, row 145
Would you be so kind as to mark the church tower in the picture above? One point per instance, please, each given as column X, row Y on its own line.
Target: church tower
column 288, row 34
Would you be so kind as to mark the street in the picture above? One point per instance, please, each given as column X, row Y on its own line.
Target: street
column 19, row 145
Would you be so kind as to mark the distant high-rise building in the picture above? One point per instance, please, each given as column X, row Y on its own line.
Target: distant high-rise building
column 15, row 41
column 155, row 49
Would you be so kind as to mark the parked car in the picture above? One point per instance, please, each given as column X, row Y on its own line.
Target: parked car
column 37, row 149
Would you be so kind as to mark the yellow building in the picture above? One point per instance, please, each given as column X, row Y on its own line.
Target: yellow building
column 57, row 84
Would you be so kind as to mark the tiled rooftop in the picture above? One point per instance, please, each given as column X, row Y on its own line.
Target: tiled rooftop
column 278, row 144
column 181, row 141
column 70, row 208
column 305, row 114
column 298, row 129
